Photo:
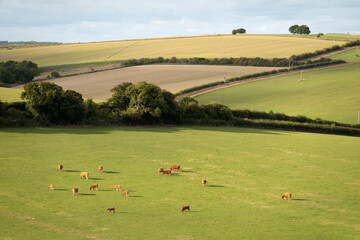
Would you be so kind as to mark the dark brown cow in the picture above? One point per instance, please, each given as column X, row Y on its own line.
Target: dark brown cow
column 160, row 170
column 177, row 167
column 75, row 190
column 286, row 195
column 94, row 186
column 185, row 208
column 61, row 167
column 111, row 209
column 167, row 172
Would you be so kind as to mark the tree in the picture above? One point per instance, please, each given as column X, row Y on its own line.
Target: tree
column 12, row 72
column 240, row 30
column 293, row 29
column 296, row 29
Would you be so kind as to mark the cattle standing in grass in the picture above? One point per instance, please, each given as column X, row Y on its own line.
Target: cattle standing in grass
column 100, row 169
column 84, row 174
column 286, row 195
column 61, row 167
column 75, row 190
column 167, row 172
column 204, row 182
column 126, row 193
column 160, row 170
column 177, row 167
column 117, row 188
column 94, row 186
column 111, row 209
column 185, row 208
column 51, row 187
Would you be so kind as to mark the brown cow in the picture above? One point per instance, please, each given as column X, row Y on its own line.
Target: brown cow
column 117, row 188
column 160, row 170
column 177, row 167
column 111, row 209
column 61, row 167
column 126, row 193
column 100, row 169
column 84, row 174
column 166, row 172
column 94, row 186
column 51, row 187
column 286, row 195
column 203, row 182
column 75, row 190
column 185, row 208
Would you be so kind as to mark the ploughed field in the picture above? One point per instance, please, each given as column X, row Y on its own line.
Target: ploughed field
column 170, row 77
column 331, row 94
column 247, row 171
column 209, row 46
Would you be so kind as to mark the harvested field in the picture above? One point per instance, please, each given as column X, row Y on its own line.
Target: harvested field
column 170, row 77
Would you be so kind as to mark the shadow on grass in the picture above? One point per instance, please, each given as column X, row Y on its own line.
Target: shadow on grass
column 61, row 189
column 212, row 185
column 187, row 171
column 70, row 170
column 299, row 199
column 110, row 172
column 96, row 178
column 136, row 196
column 176, row 174
column 87, row 194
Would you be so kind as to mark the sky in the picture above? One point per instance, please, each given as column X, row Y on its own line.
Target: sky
column 71, row 21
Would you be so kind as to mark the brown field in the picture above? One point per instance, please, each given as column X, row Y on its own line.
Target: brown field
column 170, row 77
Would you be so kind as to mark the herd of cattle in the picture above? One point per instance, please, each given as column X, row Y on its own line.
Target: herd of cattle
column 126, row 192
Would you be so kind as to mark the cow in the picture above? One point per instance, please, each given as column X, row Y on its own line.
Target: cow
column 177, row 167
column 61, row 167
column 111, row 209
column 94, row 186
column 117, row 188
column 160, row 170
column 203, row 182
column 51, row 187
column 75, row 190
column 166, row 172
column 100, row 169
column 286, row 195
column 185, row 208
column 84, row 174
column 126, row 193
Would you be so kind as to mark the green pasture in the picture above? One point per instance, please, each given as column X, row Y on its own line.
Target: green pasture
column 349, row 56
column 10, row 94
column 209, row 46
column 247, row 171
column 330, row 94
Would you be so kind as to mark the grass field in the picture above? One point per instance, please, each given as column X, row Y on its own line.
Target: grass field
column 10, row 95
column 349, row 56
column 170, row 77
column 247, row 170
column 266, row 46
column 331, row 94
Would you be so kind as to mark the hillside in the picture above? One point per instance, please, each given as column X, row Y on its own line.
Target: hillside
column 331, row 94
column 9, row 94
column 209, row 46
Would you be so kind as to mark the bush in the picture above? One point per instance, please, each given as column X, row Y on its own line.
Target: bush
column 55, row 74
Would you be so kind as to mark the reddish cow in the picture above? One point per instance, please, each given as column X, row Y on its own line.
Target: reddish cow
column 75, row 190
column 204, row 182
column 177, row 167
column 185, row 208
column 111, row 209
column 100, row 169
column 94, row 186
column 51, row 187
column 117, row 188
column 61, row 167
column 126, row 193
column 167, row 172
column 160, row 170
column 84, row 174
column 286, row 195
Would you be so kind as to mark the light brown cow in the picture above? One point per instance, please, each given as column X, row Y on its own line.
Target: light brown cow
column 286, row 195
column 117, row 188
column 185, row 208
column 75, row 190
column 160, row 170
column 126, row 193
column 100, row 169
column 166, row 172
column 94, row 186
column 203, row 182
column 61, row 167
column 111, row 209
column 51, row 187
column 177, row 167
column 84, row 174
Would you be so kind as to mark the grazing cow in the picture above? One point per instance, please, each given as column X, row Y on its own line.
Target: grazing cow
column 160, row 170
column 126, row 193
column 177, row 167
column 111, row 209
column 84, row 174
column 286, row 195
column 117, row 188
column 61, row 167
column 100, row 169
column 75, row 190
column 185, row 208
column 166, row 172
column 203, row 182
column 94, row 186
column 51, row 187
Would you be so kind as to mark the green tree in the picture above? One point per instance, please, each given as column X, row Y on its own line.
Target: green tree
column 293, row 29
column 12, row 72
column 303, row 29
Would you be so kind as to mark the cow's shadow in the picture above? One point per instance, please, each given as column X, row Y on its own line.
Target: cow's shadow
column 96, row 178
column 110, row 172
column 299, row 199
column 136, row 196
column 213, row 185
column 61, row 189
column 70, row 170
column 87, row 194
column 186, row 171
